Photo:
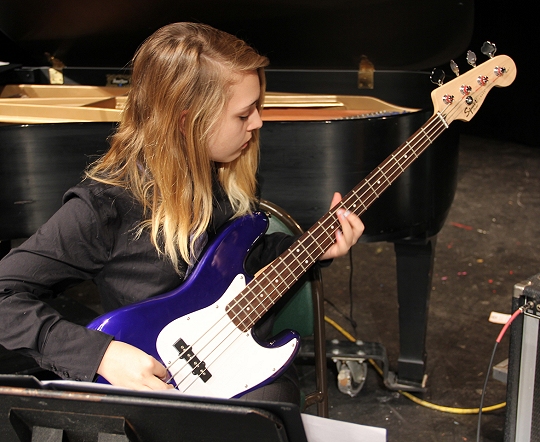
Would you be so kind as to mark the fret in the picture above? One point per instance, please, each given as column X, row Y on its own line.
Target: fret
column 316, row 248
column 259, row 298
column 411, row 150
column 385, row 177
column 396, row 161
column 272, row 281
column 276, row 275
column 315, row 242
column 285, row 270
column 357, row 201
column 299, row 261
column 237, row 315
column 265, row 290
column 442, row 119
column 374, row 192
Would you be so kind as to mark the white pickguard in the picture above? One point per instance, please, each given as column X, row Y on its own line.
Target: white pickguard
column 233, row 360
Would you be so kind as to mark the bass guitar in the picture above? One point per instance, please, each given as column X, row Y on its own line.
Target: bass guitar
column 202, row 331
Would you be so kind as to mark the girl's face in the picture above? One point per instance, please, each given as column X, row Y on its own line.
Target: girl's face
column 241, row 117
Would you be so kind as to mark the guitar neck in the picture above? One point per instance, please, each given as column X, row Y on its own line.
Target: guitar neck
column 270, row 285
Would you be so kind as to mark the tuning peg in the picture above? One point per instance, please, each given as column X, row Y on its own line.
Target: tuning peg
column 437, row 76
column 471, row 58
column 455, row 68
column 489, row 49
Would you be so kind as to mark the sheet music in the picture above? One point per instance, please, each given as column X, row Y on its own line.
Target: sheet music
column 319, row 429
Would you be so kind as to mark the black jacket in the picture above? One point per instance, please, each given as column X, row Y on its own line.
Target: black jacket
column 92, row 236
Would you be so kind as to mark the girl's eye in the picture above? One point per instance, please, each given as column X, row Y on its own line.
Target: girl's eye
column 244, row 118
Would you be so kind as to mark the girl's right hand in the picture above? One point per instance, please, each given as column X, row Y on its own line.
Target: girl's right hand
column 124, row 365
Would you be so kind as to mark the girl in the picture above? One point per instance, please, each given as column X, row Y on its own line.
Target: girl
column 182, row 162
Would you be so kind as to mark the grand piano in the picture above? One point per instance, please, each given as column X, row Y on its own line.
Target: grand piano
column 377, row 50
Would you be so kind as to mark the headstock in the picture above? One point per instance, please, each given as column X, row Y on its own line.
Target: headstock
column 461, row 98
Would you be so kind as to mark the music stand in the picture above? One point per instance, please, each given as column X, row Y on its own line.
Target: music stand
column 57, row 411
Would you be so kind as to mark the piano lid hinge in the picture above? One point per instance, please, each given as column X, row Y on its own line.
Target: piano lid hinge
column 365, row 74
column 56, row 72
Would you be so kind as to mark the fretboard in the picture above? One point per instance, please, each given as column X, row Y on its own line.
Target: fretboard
column 270, row 285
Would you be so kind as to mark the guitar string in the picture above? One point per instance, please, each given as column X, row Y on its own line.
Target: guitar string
column 374, row 191
column 480, row 89
column 265, row 288
column 288, row 285
column 344, row 203
column 380, row 170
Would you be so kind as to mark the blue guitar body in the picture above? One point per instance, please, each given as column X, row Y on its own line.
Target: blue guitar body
column 190, row 332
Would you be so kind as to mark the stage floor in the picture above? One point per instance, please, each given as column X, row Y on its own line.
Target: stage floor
column 490, row 241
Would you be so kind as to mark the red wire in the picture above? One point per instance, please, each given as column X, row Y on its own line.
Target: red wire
column 514, row 316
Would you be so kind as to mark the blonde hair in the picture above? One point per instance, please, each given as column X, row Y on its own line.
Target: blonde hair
column 180, row 82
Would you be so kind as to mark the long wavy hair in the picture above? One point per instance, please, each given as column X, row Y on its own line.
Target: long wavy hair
column 181, row 77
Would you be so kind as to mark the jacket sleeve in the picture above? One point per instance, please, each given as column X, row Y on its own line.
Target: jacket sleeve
column 268, row 248
column 71, row 247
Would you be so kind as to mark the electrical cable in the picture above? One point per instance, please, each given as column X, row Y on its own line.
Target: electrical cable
column 442, row 408
column 413, row 398
column 499, row 338
column 335, row 307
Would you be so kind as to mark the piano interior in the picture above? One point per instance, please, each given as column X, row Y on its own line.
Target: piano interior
column 35, row 104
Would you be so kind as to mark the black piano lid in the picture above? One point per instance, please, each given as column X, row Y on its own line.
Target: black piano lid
column 313, row 34
column 320, row 37
column 321, row 34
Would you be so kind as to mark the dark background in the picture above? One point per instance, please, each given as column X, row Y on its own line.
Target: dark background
column 313, row 34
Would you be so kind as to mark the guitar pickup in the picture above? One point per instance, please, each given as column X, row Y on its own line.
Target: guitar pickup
column 199, row 367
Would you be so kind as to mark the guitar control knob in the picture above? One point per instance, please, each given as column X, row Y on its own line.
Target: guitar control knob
column 465, row 90
column 499, row 70
column 448, row 99
column 482, row 80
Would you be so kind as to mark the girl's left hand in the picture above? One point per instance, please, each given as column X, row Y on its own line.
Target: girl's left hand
column 346, row 237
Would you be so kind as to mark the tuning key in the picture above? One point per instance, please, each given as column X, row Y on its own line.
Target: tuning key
column 465, row 89
column 482, row 80
column 489, row 49
column 471, row 58
column 499, row 70
column 455, row 68
column 437, row 76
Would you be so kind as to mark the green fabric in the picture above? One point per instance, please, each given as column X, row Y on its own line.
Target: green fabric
column 297, row 314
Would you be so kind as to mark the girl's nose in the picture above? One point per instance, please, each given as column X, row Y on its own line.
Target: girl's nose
column 255, row 121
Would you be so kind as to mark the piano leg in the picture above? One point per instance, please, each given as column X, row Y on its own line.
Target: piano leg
column 414, row 261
